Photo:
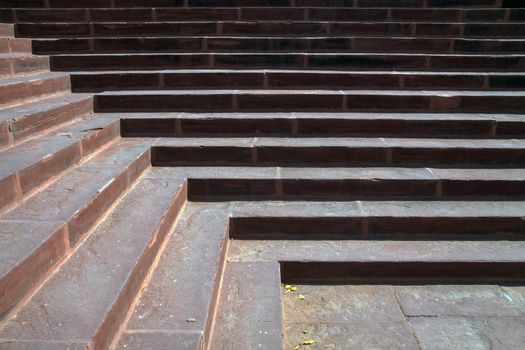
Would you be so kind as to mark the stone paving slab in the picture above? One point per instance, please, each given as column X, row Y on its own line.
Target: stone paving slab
column 468, row 333
column 380, row 316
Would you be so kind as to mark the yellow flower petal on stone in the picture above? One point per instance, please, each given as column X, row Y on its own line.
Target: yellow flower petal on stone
column 191, row 319
column 287, row 286
column 293, row 289
column 309, row 342
column 296, row 348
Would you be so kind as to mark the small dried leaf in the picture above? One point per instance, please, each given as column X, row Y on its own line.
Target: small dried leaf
column 191, row 319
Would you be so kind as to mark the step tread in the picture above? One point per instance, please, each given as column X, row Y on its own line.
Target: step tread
column 369, row 173
column 32, row 151
column 20, row 89
column 250, row 307
column 81, row 296
column 198, row 243
column 32, row 78
column 29, row 119
column 376, row 251
column 32, row 108
column 25, row 167
column 40, row 232
column 379, row 209
column 74, row 189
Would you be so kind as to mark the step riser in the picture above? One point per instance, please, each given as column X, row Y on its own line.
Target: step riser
column 216, row 44
column 290, row 61
column 259, row 3
column 200, row 190
column 36, row 267
column 14, row 94
column 261, row 29
column 366, row 228
column 336, row 156
column 267, row 127
column 412, row 272
column 263, row 13
column 23, row 65
column 225, row 127
column 292, row 80
column 308, row 102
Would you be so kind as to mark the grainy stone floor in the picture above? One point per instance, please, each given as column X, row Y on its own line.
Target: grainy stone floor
column 434, row 317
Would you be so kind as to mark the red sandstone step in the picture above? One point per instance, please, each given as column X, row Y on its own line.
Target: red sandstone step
column 88, row 298
column 14, row 45
column 311, row 100
column 41, row 232
column 429, row 220
column 317, row 61
column 279, row 44
column 384, row 218
column 293, row 79
column 27, row 166
column 403, row 272
column 470, row 15
column 321, row 125
column 174, row 294
column 21, row 122
column 7, row 30
column 17, row 90
column 250, row 308
column 13, row 64
column 259, row 3
column 343, row 184
column 326, row 152
column 358, row 184
column 271, row 28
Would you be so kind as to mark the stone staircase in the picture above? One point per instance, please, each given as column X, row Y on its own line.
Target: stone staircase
column 167, row 164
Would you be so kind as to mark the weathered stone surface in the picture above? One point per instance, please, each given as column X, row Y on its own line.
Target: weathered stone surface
column 448, row 301
column 164, row 340
column 354, row 107
column 89, row 297
column 250, row 312
column 469, row 333
column 173, row 295
column 342, row 304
